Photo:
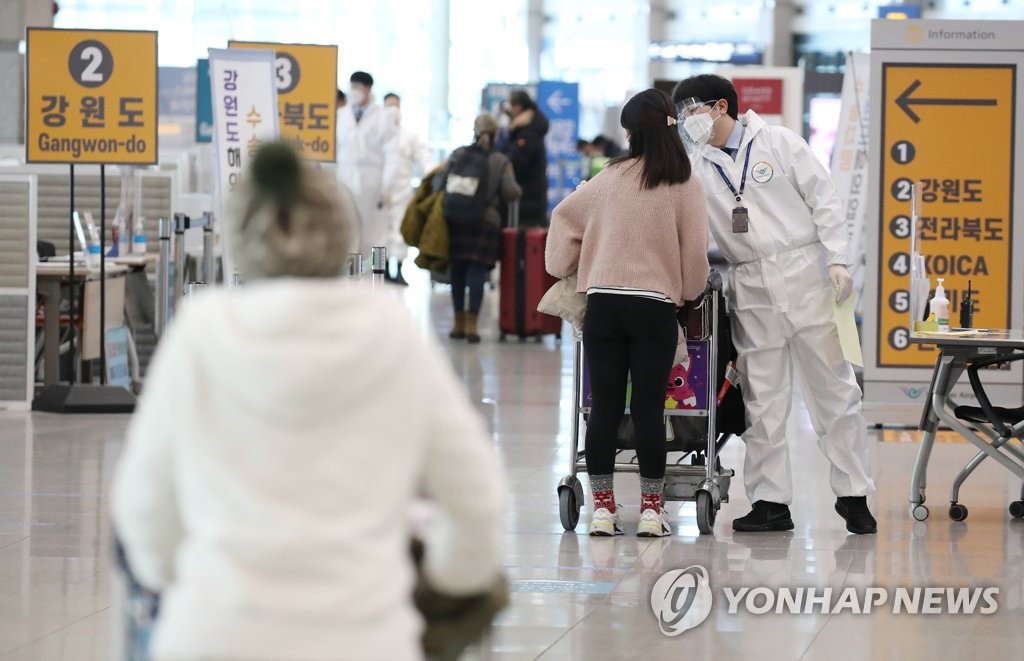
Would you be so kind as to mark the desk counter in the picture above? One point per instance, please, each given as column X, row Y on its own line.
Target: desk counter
column 49, row 277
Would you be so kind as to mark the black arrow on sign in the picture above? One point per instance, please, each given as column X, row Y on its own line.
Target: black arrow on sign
column 904, row 102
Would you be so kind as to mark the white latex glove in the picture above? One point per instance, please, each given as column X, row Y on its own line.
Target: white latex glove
column 842, row 281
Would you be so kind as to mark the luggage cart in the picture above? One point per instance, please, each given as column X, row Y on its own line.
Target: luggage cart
column 703, row 480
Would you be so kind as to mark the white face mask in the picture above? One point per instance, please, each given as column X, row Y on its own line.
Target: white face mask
column 698, row 128
column 356, row 96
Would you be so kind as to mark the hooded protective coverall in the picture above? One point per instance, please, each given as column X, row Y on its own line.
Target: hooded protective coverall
column 412, row 153
column 367, row 164
column 781, row 301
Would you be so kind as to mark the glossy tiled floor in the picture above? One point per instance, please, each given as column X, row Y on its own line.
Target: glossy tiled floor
column 573, row 597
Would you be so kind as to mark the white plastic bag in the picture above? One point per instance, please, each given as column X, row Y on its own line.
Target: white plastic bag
column 562, row 300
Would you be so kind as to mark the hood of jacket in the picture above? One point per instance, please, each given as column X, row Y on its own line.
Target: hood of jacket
column 530, row 119
column 289, row 350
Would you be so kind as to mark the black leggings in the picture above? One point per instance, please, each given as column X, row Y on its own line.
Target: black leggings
column 472, row 275
column 627, row 336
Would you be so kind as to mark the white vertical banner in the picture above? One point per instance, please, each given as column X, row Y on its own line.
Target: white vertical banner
column 244, row 116
column 850, row 160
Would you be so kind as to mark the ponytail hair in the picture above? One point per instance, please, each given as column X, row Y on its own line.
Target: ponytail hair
column 485, row 131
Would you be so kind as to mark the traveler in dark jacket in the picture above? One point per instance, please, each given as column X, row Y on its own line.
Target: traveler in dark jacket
column 525, row 149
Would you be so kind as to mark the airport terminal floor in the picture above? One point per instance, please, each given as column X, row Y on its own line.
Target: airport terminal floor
column 573, row 596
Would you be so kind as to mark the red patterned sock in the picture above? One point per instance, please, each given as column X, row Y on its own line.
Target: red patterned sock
column 604, row 494
column 605, row 499
column 650, row 501
column 650, row 494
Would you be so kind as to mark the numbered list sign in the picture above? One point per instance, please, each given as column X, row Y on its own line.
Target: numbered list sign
column 306, row 77
column 91, row 96
column 950, row 128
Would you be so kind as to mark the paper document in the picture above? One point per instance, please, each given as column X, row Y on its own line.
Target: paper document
column 973, row 332
column 847, row 326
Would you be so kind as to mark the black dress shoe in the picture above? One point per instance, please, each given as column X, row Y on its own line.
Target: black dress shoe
column 765, row 517
column 858, row 517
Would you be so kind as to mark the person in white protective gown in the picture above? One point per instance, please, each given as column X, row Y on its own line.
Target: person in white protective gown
column 367, row 158
column 413, row 158
column 774, row 214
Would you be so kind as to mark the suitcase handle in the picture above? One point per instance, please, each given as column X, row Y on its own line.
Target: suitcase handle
column 513, row 214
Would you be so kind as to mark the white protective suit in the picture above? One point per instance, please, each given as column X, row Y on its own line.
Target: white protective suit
column 367, row 163
column 781, row 301
column 412, row 155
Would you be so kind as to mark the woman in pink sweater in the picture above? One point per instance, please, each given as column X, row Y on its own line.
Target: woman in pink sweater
column 636, row 234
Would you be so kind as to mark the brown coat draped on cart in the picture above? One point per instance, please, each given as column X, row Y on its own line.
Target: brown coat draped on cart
column 424, row 226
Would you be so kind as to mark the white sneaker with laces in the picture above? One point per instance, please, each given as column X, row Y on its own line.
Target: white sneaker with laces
column 653, row 524
column 605, row 523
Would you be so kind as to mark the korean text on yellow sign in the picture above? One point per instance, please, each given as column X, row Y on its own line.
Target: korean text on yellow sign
column 949, row 128
column 306, row 78
column 91, row 96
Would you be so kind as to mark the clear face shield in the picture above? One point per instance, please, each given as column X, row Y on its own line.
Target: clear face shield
column 690, row 106
column 695, row 124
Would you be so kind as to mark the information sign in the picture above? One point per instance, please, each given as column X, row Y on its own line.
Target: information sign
column 91, row 96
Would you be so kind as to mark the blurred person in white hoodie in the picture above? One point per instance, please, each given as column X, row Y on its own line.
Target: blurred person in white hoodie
column 270, row 465
column 413, row 159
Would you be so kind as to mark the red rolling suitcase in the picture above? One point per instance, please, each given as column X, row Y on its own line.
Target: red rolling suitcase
column 524, row 281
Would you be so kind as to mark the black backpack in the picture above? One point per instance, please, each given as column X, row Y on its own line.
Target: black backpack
column 465, row 189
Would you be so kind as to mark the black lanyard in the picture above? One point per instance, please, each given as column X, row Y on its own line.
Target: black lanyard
column 743, row 179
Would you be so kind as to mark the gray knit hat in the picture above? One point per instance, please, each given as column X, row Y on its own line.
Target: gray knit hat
column 289, row 219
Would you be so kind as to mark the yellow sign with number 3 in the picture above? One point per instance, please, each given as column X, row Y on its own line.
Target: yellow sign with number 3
column 307, row 78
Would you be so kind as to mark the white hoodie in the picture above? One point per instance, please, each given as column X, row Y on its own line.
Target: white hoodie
column 283, row 432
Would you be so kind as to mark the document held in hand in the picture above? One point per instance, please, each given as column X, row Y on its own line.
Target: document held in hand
column 847, row 326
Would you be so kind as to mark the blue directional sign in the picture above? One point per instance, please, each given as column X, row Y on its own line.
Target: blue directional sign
column 560, row 102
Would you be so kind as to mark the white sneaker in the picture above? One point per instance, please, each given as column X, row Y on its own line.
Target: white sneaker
column 605, row 523
column 653, row 524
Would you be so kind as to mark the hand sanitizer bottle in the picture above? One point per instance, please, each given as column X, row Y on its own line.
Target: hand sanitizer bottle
column 139, row 237
column 940, row 308
column 124, row 236
column 95, row 249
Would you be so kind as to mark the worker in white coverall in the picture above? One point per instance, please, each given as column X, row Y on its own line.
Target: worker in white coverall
column 367, row 158
column 413, row 157
column 776, row 218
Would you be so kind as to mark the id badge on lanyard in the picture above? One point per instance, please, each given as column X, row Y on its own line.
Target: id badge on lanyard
column 740, row 218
